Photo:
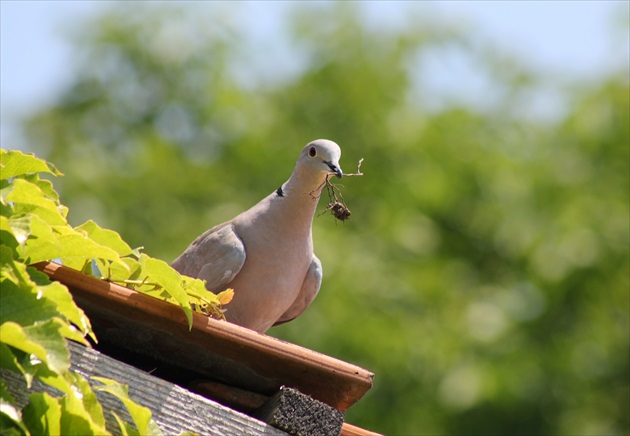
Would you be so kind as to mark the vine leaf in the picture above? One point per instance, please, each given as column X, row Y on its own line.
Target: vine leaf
column 43, row 340
column 15, row 163
column 169, row 280
column 105, row 237
column 140, row 415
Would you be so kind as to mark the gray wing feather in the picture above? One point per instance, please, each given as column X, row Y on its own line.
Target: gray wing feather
column 216, row 257
column 308, row 292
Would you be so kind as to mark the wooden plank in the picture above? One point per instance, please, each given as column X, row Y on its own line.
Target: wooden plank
column 174, row 409
column 212, row 349
column 353, row 430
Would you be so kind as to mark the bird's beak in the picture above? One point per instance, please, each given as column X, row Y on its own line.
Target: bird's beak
column 336, row 169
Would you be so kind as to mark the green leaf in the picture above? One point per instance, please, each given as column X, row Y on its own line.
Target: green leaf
column 7, row 262
column 30, row 366
column 73, row 248
column 88, row 398
column 9, row 427
column 10, row 416
column 18, row 225
column 20, row 300
column 26, row 197
column 81, row 413
column 15, row 163
column 43, row 340
column 5, row 209
column 105, row 237
column 41, row 234
column 160, row 272
column 115, row 272
column 198, row 288
column 5, row 395
column 141, row 415
column 42, row 415
column 61, row 297
column 8, row 360
column 126, row 429
column 75, row 419
column 47, row 376
column 72, row 333
column 8, row 241
column 28, row 296
column 46, row 187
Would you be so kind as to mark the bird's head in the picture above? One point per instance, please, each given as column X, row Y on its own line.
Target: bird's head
column 321, row 156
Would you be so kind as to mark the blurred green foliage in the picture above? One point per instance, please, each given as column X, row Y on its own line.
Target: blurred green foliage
column 484, row 274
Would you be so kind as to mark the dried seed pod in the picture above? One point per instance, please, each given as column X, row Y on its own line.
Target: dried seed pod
column 340, row 211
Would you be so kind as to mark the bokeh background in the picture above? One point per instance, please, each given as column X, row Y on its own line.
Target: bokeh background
column 483, row 275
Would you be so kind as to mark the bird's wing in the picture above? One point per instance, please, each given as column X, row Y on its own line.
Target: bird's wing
column 216, row 257
column 308, row 292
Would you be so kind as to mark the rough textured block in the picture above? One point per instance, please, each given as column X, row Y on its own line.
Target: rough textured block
column 298, row 414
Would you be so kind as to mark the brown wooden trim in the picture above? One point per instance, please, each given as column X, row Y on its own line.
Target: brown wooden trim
column 217, row 350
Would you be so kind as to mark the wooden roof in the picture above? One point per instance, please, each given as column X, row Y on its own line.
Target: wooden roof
column 142, row 330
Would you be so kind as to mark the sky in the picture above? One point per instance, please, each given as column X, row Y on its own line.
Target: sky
column 568, row 38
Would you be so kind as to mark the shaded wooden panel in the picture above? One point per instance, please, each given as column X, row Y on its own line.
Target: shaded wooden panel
column 212, row 349
column 236, row 398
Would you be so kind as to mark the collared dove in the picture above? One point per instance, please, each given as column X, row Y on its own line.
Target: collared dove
column 266, row 253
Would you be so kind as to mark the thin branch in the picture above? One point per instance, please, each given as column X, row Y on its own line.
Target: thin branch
column 358, row 173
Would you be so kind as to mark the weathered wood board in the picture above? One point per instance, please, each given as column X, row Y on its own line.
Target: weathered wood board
column 174, row 409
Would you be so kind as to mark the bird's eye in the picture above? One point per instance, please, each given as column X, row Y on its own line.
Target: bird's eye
column 312, row 152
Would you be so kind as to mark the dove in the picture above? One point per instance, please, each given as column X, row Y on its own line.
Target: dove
column 266, row 253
